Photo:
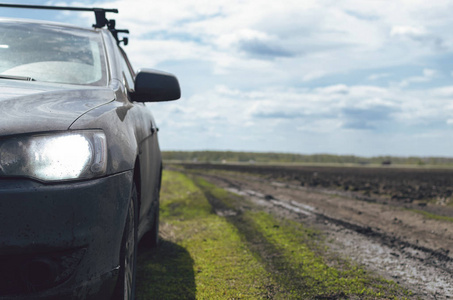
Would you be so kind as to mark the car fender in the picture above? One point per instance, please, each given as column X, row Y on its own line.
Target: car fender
column 124, row 130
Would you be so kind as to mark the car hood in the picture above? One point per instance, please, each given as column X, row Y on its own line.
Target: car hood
column 36, row 107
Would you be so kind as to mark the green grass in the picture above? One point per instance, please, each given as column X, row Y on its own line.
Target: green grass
column 432, row 216
column 318, row 278
column 293, row 158
column 249, row 255
column 215, row 261
column 296, row 257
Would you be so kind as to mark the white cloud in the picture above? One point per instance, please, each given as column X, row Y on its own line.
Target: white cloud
column 408, row 31
column 428, row 75
column 314, row 75
column 340, row 110
column 378, row 76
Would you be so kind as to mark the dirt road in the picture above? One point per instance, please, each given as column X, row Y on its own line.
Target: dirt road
column 393, row 238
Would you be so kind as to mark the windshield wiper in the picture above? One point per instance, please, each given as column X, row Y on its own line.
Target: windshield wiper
column 25, row 78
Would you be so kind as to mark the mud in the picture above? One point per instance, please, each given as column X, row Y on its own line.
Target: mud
column 401, row 185
column 382, row 233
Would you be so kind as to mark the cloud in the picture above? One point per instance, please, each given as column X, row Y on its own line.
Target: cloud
column 340, row 106
column 307, row 39
column 338, row 89
column 321, row 113
column 255, row 43
column 378, row 76
column 428, row 75
column 417, row 34
column 366, row 118
column 409, row 31
column 263, row 48
column 314, row 75
column 362, row 16
column 279, row 115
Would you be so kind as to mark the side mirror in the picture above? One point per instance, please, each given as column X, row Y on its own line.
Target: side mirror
column 152, row 86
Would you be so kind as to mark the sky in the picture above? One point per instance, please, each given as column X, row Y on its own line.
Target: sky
column 367, row 78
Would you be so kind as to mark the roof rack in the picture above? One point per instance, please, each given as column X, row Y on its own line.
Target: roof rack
column 99, row 13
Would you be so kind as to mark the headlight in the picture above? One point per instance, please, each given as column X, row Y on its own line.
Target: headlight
column 55, row 156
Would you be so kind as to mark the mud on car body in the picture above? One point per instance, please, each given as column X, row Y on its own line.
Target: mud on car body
column 80, row 164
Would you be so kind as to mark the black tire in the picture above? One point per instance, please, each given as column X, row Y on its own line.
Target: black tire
column 154, row 232
column 151, row 238
column 125, row 287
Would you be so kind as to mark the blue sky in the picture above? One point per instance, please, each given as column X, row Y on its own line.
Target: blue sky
column 315, row 76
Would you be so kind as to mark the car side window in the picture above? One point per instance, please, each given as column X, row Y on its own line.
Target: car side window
column 128, row 73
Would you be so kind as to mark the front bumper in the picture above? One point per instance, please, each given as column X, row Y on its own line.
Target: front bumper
column 61, row 240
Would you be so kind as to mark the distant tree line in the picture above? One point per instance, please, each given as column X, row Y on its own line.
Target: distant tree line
column 257, row 157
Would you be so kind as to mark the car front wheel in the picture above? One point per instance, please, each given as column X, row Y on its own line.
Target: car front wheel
column 125, row 288
column 151, row 238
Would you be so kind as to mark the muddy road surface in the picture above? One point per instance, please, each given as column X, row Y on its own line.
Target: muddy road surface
column 398, row 224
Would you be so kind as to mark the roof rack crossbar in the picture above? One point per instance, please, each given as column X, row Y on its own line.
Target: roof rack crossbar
column 99, row 13
column 101, row 20
column 112, row 10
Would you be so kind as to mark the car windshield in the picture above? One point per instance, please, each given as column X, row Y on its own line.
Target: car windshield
column 51, row 53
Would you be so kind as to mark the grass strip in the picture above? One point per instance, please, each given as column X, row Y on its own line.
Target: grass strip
column 202, row 255
column 292, row 253
column 432, row 216
column 320, row 280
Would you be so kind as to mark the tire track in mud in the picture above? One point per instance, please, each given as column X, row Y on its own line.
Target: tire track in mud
column 435, row 258
column 427, row 272
column 366, row 230
column 290, row 283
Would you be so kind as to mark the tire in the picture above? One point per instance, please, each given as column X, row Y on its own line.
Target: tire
column 154, row 232
column 151, row 238
column 125, row 287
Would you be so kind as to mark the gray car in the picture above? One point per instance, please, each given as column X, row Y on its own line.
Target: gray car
column 80, row 165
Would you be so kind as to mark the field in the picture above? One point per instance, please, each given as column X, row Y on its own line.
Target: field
column 269, row 232
column 403, row 184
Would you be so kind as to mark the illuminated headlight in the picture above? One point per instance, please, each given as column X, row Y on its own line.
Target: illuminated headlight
column 55, row 156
